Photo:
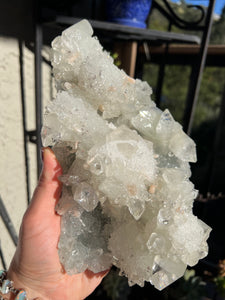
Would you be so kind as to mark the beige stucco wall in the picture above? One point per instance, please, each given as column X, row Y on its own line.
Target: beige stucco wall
column 12, row 163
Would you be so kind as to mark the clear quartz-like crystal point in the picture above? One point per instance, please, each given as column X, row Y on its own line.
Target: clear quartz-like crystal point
column 85, row 195
column 166, row 271
column 126, row 197
column 182, row 145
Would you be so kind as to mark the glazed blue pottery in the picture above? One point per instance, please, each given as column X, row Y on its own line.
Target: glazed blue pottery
column 128, row 12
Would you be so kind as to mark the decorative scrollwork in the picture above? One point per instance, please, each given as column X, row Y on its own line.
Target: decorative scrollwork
column 178, row 21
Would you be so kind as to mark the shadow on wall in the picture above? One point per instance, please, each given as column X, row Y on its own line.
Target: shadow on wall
column 17, row 16
column 16, row 19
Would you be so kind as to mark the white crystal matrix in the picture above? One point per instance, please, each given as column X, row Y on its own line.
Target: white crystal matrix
column 127, row 199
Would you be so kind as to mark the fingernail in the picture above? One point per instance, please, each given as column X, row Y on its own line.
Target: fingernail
column 43, row 150
column 43, row 154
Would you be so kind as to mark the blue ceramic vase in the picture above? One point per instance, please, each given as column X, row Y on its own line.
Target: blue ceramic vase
column 128, row 12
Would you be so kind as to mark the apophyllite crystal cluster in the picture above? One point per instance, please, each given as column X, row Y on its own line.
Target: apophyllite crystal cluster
column 127, row 199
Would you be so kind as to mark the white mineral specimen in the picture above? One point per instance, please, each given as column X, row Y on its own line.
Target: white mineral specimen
column 127, row 199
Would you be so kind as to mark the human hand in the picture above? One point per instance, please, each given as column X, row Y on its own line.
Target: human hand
column 36, row 266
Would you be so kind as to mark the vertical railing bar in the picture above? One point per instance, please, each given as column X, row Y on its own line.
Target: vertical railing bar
column 23, row 99
column 38, row 91
column 217, row 139
column 2, row 258
column 161, row 74
column 8, row 223
column 197, row 76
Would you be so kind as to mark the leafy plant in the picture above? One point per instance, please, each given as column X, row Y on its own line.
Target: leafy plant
column 220, row 279
column 189, row 287
column 116, row 286
column 116, row 59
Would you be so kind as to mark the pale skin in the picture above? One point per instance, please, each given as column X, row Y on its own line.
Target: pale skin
column 35, row 266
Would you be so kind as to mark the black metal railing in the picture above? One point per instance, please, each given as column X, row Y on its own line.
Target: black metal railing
column 202, row 23
column 10, row 228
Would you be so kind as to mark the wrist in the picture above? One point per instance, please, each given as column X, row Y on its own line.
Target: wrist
column 7, row 289
column 12, row 287
column 20, row 283
column 7, row 292
column 7, row 296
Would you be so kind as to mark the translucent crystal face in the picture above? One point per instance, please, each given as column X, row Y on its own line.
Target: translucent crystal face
column 127, row 199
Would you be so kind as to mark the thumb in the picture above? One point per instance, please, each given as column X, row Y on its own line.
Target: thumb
column 48, row 190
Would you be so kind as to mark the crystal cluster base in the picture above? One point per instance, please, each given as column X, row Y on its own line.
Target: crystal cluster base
column 127, row 199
